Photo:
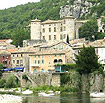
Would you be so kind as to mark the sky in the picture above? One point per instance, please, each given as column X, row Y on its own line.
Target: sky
column 12, row 3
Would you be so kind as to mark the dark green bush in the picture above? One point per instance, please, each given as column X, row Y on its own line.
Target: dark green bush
column 2, row 83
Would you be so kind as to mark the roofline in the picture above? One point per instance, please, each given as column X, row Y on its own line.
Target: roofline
column 46, row 54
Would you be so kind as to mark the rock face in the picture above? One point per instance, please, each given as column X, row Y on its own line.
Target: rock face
column 86, row 83
column 78, row 9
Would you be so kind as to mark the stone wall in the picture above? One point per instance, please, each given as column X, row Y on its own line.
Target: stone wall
column 85, row 83
column 36, row 79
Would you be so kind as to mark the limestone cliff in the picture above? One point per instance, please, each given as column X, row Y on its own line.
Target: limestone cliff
column 77, row 9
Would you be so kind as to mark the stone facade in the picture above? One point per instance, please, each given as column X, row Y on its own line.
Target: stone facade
column 55, row 30
column 50, row 55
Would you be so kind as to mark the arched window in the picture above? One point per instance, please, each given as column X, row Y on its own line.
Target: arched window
column 42, row 70
column 60, row 61
column 55, row 60
column 35, row 71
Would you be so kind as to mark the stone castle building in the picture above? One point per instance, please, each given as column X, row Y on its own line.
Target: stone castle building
column 55, row 30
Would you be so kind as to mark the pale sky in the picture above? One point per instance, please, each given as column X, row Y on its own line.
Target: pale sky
column 12, row 3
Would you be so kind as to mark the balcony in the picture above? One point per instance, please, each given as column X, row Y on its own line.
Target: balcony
column 35, row 65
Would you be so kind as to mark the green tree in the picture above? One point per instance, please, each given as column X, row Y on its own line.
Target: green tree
column 18, row 37
column 89, row 30
column 2, row 83
column 87, row 60
column 1, row 67
column 11, row 82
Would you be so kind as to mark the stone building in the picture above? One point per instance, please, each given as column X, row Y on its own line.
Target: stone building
column 20, row 58
column 49, row 55
column 99, row 46
column 5, row 58
column 55, row 30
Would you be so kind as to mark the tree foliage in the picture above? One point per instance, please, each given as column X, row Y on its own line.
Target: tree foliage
column 1, row 67
column 87, row 60
column 18, row 37
column 89, row 30
column 11, row 82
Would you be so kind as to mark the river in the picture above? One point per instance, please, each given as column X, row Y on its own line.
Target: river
column 64, row 98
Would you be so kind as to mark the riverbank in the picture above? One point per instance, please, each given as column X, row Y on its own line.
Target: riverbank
column 6, row 98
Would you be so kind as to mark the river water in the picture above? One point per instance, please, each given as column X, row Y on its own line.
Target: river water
column 64, row 98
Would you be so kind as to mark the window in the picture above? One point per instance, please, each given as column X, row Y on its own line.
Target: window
column 54, row 29
column 54, row 37
column 43, row 30
column 17, row 61
column 38, row 61
column 61, row 37
column 55, row 60
column 21, row 61
column 35, row 61
column 100, row 30
column 13, row 55
column 61, row 46
column 38, row 56
column 49, row 37
column 14, row 61
column 55, row 55
column 35, row 56
column 43, row 37
column 42, row 61
column 64, row 21
column 21, row 55
column 61, row 29
column 42, row 70
column 64, row 36
column 17, row 55
column 49, row 29
column 64, row 28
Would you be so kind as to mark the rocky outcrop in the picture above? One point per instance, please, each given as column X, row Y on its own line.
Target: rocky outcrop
column 78, row 9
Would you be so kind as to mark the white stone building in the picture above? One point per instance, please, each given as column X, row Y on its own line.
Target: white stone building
column 55, row 30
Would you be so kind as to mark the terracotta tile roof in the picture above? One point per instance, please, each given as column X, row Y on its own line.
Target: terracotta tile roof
column 96, row 44
column 12, row 50
column 28, row 49
column 4, row 52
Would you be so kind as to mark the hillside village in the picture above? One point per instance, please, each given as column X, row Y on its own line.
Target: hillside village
column 48, row 46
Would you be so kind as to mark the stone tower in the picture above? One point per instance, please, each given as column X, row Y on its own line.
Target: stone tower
column 35, row 29
column 70, row 26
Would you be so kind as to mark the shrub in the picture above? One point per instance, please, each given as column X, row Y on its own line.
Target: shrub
column 11, row 82
column 2, row 83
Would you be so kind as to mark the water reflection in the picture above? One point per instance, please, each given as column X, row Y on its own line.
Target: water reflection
column 68, row 98
column 41, row 99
